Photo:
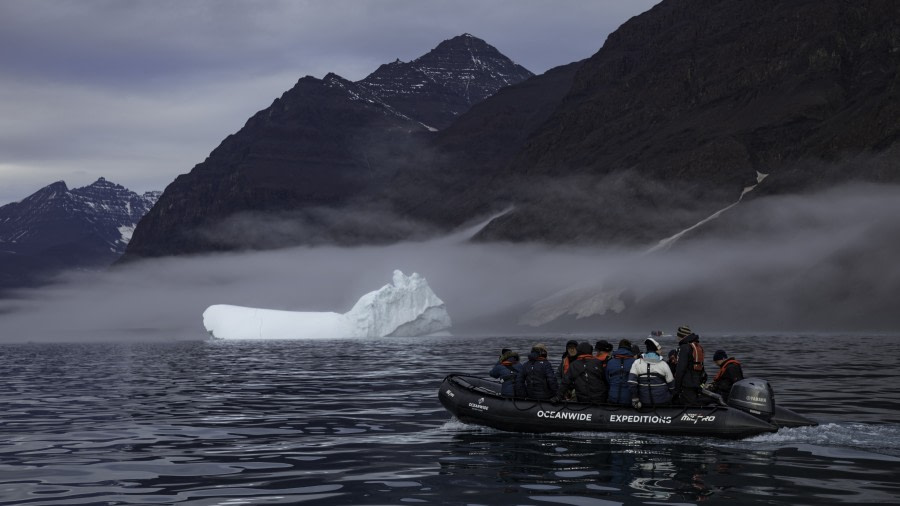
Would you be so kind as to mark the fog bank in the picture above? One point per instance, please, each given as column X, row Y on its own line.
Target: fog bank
column 823, row 262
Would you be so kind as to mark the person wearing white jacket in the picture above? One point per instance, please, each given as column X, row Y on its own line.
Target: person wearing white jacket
column 650, row 381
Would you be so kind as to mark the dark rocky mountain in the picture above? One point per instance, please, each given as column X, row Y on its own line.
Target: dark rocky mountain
column 686, row 102
column 668, row 122
column 57, row 228
column 320, row 161
column 439, row 86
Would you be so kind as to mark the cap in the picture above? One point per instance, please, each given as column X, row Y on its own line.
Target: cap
column 603, row 345
column 584, row 348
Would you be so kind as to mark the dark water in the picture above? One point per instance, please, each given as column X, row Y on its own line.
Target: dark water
column 358, row 422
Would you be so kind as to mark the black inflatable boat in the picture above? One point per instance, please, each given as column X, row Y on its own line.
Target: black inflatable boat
column 751, row 410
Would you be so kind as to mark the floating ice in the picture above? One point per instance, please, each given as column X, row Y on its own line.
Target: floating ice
column 407, row 307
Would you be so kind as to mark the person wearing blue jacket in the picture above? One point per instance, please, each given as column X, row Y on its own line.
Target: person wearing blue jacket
column 538, row 379
column 617, row 370
column 507, row 370
column 650, row 381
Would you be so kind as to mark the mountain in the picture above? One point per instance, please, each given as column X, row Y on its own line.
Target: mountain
column 684, row 104
column 57, row 228
column 316, row 165
column 680, row 110
column 444, row 83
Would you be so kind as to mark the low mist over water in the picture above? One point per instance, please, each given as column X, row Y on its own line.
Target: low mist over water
column 824, row 262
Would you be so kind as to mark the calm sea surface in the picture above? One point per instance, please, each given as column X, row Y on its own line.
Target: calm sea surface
column 359, row 422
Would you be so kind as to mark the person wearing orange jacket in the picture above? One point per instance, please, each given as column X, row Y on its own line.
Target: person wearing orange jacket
column 730, row 372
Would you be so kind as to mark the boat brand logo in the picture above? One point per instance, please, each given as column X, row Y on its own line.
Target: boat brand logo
column 639, row 419
column 757, row 399
column 449, row 393
column 565, row 415
column 480, row 406
column 693, row 417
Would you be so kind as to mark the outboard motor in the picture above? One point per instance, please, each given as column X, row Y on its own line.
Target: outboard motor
column 753, row 395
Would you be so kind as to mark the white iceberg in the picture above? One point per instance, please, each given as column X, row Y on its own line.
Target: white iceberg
column 407, row 307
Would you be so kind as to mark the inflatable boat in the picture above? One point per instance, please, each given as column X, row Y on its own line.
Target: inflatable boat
column 750, row 410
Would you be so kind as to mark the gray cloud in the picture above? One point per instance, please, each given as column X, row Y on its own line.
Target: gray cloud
column 141, row 91
column 812, row 263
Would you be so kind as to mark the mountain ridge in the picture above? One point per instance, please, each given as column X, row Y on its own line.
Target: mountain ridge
column 58, row 228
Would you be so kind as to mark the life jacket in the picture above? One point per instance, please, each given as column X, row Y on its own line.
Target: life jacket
column 567, row 360
column 696, row 356
column 603, row 356
column 722, row 368
column 621, row 364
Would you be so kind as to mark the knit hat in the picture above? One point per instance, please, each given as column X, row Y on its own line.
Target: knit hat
column 603, row 345
column 720, row 355
column 584, row 348
column 571, row 342
column 683, row 331
column 651, row 344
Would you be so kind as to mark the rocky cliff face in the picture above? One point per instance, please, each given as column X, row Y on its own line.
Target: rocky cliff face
column 57, row 228
column 444, row 83
column 322, row 159
column 686, row 102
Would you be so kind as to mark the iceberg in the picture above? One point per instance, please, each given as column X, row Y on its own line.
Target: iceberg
column 406, row 307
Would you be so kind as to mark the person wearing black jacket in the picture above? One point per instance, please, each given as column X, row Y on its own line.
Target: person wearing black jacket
column 689, row 372
column 586, row 375
column 730, row 372
column 537, row 379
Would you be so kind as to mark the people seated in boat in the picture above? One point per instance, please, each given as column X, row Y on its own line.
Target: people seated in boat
column 672, row 360
column 617, row 370
column 650, row 381
column 603, row 349
column 689, row 372
column 506, row 370
column 730, row 372
column 537, row 379
column 568, row 357
column 586, row 376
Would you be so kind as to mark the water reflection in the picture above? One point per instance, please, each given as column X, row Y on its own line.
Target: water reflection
column 670, row 470
column 359, row 422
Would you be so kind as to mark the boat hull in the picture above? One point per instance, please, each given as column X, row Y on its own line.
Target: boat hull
column 476, row 401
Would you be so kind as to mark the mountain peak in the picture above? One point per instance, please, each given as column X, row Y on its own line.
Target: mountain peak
column 467, row 40
column 102, row 182
column 445, row 82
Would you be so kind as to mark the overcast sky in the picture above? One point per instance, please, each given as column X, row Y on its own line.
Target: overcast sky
column 140, row 91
